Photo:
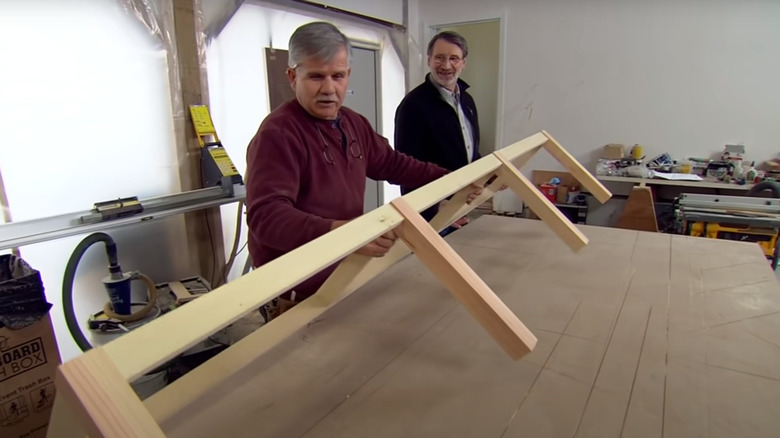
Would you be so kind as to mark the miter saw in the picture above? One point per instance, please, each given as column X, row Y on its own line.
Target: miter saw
column 741, row 218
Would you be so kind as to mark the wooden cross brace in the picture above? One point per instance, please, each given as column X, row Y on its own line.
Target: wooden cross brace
column 94, row 395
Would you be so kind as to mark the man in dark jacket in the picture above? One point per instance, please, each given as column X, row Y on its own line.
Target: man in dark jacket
column 437, row 121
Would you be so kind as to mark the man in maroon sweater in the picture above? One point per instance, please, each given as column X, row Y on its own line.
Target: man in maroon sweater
column 307, row 165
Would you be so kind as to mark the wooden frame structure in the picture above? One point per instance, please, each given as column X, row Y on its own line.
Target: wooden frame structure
column 95, row 397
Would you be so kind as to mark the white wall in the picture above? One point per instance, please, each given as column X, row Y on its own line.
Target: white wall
column 387, row 10
column 682, row 76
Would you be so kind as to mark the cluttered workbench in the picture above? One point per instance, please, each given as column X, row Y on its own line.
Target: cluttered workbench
column 730, row 174
column 639, row 334
column 682, row 184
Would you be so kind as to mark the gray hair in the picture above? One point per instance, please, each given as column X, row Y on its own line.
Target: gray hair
column 452, row 38
column 318, row 40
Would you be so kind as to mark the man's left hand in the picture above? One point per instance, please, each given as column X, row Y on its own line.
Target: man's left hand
column 473, row 195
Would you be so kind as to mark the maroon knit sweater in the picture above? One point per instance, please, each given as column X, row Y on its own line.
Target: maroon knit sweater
column 300, row 178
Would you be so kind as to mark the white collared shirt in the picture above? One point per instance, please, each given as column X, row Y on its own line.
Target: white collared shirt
column 453, row 98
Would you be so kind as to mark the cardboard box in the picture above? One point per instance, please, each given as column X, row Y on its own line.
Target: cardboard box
column 28, row 353
column 614, row 152
column 28, row 362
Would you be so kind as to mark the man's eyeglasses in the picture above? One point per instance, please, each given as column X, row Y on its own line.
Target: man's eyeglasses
column 353, row 147
column 441, row 59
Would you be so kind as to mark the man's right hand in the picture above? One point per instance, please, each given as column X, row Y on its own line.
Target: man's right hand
column 379, row 247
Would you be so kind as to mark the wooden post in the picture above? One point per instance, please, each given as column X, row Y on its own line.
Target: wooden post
column 457, row 207
column 540, row 205
column 204, row 227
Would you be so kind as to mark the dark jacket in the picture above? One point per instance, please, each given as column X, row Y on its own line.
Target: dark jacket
column 427, row 128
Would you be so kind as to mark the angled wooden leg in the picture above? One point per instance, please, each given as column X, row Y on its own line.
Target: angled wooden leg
column 101, row 398
column 464, row 283
column 457, row 207
column 540, row 205
column 356, row 270
column 575, row 168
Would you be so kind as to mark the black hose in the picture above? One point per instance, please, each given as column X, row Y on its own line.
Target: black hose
column 772, row 186
column 70, row 275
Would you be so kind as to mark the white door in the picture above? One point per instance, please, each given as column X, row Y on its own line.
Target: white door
column 362, row 97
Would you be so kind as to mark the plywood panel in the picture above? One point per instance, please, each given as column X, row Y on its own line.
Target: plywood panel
column 438, row 399
column 649, row 286
column 628, row 345
column 608, row 401
column 742, row 346
column 333, row 357
column 557, row 399
column 645, row 414
column 757, row 409
column 686, row 413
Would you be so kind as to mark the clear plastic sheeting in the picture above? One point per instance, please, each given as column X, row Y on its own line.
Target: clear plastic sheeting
column 149, row 12
column 157, row 17
column 417, row 60
column 85, row 117
column 216, row 15
column 398, row 38
column 5, row 212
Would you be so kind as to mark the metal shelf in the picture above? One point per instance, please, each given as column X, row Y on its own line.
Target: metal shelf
column 557, row 204
column 16, row 234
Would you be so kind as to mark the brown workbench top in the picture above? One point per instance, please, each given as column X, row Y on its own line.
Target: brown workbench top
column 640, row 334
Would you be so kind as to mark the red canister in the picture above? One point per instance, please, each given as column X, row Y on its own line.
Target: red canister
column 549, row 191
